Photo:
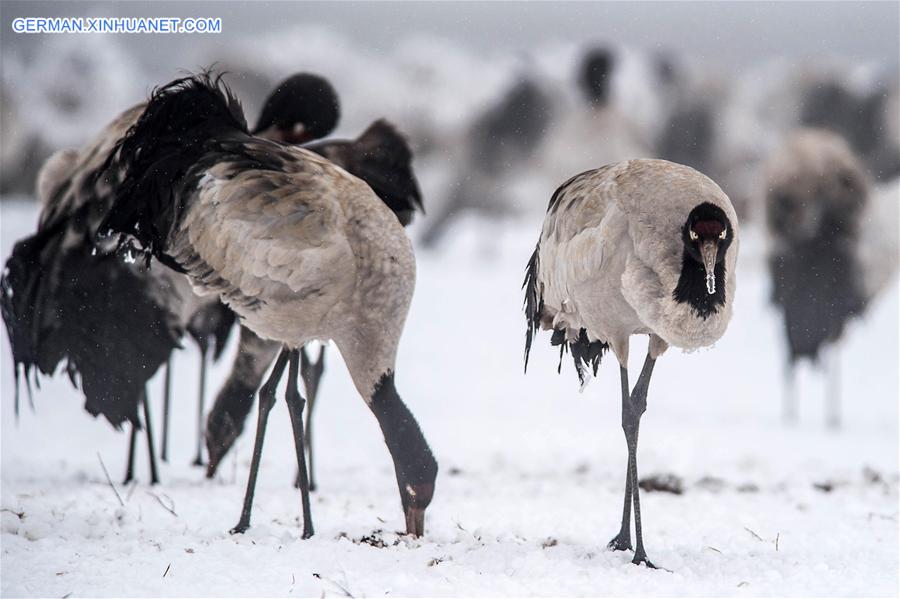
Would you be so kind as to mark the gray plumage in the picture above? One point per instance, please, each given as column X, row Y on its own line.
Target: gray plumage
column 280, row 249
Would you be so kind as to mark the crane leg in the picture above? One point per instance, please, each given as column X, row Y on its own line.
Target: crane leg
column 632, row 410
column 311, row 373
column 151, row 452
column 167, row 397
column 296, row 403
column 198, row 459
column 266, row 401
column 132, row 443
column 622, row 541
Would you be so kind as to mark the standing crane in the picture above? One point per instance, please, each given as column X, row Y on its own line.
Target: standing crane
column 641, row 247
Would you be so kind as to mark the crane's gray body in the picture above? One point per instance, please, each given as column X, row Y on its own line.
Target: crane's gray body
column 303, row 254
column 610, row 256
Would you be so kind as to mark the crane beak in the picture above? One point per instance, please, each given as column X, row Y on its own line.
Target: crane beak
column 418, row 498
column 415, row 521
column 708, row 251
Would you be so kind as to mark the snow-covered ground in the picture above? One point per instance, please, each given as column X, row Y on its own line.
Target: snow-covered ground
column 531, row 481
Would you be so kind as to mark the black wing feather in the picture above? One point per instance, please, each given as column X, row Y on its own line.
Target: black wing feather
column 92, row 311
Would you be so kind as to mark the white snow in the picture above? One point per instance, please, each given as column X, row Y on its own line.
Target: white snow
column 532, row 472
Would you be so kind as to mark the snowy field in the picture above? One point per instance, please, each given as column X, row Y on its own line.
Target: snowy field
column 531, row 481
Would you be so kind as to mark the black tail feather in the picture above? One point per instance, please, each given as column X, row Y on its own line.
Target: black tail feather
column 111, row 331
column 534, row 301
column 27, row 271
column 585, row 353
column 166, row 141
column 66, row 303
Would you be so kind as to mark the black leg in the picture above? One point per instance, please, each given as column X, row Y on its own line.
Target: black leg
column 132, row 443
column 198, row 459
column 295, row 404
column 631, row 421
column 266, row 401
column 154, row 476
column 167, row 396
column 311, row 373
column 622, row 541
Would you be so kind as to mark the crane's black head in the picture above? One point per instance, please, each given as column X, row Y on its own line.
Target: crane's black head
column 596, row 75
column 707, row 233
column 302, row 108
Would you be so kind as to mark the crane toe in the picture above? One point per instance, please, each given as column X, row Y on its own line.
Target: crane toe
column 620, row 543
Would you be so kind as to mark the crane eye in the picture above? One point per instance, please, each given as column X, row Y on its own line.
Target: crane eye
column 694, row 235
column 723, row 234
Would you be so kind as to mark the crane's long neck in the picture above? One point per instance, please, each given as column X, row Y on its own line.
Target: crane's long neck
column 414, row 463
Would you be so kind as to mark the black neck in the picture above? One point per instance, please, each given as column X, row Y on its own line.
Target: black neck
column 691, row 288
column 413, row 461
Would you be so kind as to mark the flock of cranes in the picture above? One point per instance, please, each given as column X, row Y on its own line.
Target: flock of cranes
column 180, row 219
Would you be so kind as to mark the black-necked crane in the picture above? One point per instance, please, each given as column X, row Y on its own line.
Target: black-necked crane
column 382, row 158
column 66, row 299
column 833, row 247
column 641, row 247
column 296, row 246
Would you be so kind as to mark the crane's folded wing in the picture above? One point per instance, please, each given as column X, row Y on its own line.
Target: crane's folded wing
column 261, row 227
